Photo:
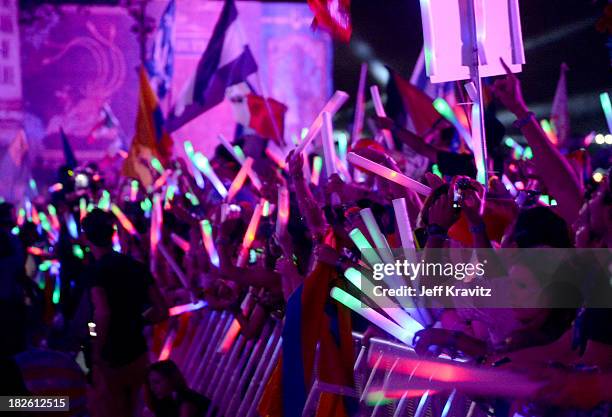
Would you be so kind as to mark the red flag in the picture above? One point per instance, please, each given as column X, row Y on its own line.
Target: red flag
column 333, row 16
column 267, row 117
column 418, row 105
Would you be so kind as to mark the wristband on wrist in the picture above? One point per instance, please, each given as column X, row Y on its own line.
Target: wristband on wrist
column 520, row 123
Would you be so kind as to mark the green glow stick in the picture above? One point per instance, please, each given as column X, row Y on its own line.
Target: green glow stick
column 317, row 164
column 33, row 186
column 209, row 244
column 202, row 163
column 368, row 252
column 436, row 170
column 239, row 153
column 78, row 251
column 104, row 202
column 445, row 110
column 188, row 146
column 157, row 166
column 133, row 191
column 56, row 290
column 604, row 98
column 192, row 199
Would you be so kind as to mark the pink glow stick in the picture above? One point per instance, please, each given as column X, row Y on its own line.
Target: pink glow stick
column 184, row 308
column 156, row 224
column 388, row 174
column 239, row 180
column 332, row 106
column 180, row 242
column 380, row 112
column 167, row 349
column 123, row 220
column 282, row 218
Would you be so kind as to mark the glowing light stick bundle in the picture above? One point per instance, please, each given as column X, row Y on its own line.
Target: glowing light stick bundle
column 329, row 148
column 606, row 105
column 133, row 190
column 180, row 242
column 396, row 313
column 123, row 220
column 282, row 217
column 331, row 107
column 372, row 316
column 157, row 166
column 209, row 244
column 173, row 265
column 167, row 348
column 380, row 112
column 250, row 234
column 203, row 165
column 388, row 174
column 362, row 243
column 239, row 180
column 317, row 164
column 104, row 202
column 184, row 308
column 190, row 152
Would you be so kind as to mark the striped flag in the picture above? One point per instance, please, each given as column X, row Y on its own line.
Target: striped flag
column 226, row 61
column 160, row 65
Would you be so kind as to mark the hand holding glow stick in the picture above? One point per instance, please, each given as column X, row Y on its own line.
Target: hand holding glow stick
column 238, row 155
column 380, row 112
column 332, row 106
column 388, row 174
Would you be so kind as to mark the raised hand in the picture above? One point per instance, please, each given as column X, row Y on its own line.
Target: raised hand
column 508, row 91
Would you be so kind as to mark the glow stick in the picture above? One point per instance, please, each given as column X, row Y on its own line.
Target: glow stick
column 445, row 110
column 329, row 148
column 372, row 316
column 276, row 155
column 145, row 206
column 28, row 209
column 104, row 202
column 282, row 217
column 21, row 214
column 209, row 244
column 382, row 246
column 156, row 224
column 46, row 225
column 368, row 252
column 167, row 348
column 239, row 180
column 360, row 104
column 265, row 212
column 396, row 313
column 190, row 152
column 169, row 196
column 232, row 150
column 159, row 182
column 157, row 166
column 71, row 225
column 184, row 308
column 56, row 188
column 82, row 208
column 123, row 220
column 173, row 265
column 116, row 241
column 380, row 112
column 180, row 242
column 33, row 250
column 35, row 216
column 90, row 207
column 317, row 164
column 403, row 223
column 239, row 152
column 77, row 251
column 203, row 165
column 55, row 223
column 33, row 186
column 388, row 174
column 550, row 133
column 92, row 329
column 509, row 186
column 332, row 106
column 342, row 140
column 133, row 190
column 606, row 105
column 56, row 290
column 249, row 235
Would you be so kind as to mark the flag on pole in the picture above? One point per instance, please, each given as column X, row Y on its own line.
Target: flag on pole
column 69, row 159
column 18, row 148
column 160, row 65
column 419, row 108
column 334, row 16
column 266, row 117
column 226, row 61
column 559, row 114
column 151, row 139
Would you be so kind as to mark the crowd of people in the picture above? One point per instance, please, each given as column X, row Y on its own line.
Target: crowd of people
column 89, row 266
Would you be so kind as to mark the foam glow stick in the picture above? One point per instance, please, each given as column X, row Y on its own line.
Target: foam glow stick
column 239, row 157
column 77, row 251
column 368, row 252
column 332, row 106
column 156, row 224
column 184, row 308
column 445, row 110
column 209, row 244
column 167, row 348
column 403, row 223
column 250, row 234
column 173, row 265
column 342, row 140
column 33, row 250
column 116, row 241
column 360, row 104
column 282, row 217
column 190, row 152
column 46, row 225
column 388, row 174
column 396, row 313
column 123, row 220
column 35, row 216
column 21, row 214
column 476, row 143
column 550, row 132
column 180, row 242
column 133, row 191
column 372, row 316
column 82, row 208
column 380, row 112
column 276, row 155
column 104, row 202
column 329, row 148
column 509, row 186
column 71, row 225
column 157, row 166
column 169, row 196
column 33, row 186
column 265, row 212
column 382, row 246
column 56, row 290
column 53, row 217
column 606, row 105
column 145, row 206
column 56, row 187
column 203, row 165
column 317, row 164
column 159, row 182
column 239, row 180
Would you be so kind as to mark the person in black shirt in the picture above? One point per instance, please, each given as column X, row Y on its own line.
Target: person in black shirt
column 167, row 393
column 124, row 300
